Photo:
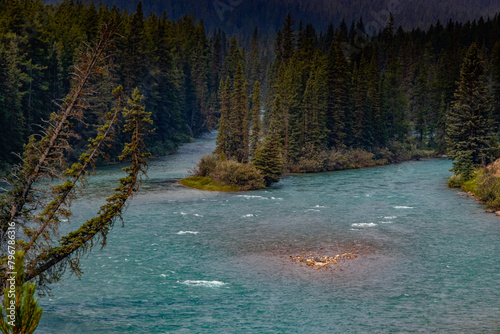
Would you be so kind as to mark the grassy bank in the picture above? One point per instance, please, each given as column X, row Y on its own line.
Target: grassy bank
column 214, row 174
column 484, row 185
column 334, row 160
column 206, row 183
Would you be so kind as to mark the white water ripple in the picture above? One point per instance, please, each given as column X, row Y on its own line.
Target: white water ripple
column 260, row 197
column 187, row 232
column 364, row 225
column 207, row 284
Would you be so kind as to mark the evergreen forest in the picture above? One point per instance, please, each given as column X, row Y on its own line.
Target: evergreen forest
column 85, row 84
column 321, row 91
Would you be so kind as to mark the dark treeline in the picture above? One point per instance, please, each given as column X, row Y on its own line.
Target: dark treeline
column 322, row 92
column 170, row 62
column 332, row 92
column 384, row 98
column 239, row 17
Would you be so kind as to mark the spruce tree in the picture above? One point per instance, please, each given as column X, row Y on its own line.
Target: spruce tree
column 238, row 118
column 21, row 295
column 337, row 83
column 421, row 105
column 288, row 38
column 495, row 74
column 267, row 159
column 222, row 142
column 255, row 115
column 254, row 63
column 470, row 124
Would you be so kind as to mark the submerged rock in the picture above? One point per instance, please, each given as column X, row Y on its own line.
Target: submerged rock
column 324, row 261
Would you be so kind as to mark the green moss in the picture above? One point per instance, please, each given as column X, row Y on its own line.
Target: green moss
column 206, row 183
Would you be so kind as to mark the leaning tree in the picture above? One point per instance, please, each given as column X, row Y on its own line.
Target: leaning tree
column 44, row 184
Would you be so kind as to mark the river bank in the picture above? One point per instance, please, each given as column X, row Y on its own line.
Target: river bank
column 207, row 176
column 484, row 186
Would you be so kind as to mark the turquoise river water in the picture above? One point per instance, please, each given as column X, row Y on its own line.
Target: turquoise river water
column 189, row 261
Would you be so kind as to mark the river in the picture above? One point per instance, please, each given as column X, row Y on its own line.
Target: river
column 188, row 261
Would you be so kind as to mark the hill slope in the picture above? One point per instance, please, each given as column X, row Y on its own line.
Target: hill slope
column 238, row 16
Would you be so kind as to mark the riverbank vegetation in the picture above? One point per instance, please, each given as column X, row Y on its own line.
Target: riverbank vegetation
column 215, row 174
column 483, row 184
column 472, row 134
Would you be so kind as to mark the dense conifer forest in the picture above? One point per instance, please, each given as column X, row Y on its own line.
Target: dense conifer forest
column 169, row 61
column 239, row 17
column 326, row 96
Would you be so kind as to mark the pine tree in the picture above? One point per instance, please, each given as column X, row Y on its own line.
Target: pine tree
column 469, row 122
column 337, row 83
column 11, row 114
column 495, row 69
column 254, row 63
column 27, row 313
column 255, row 115
column 222, row 142
column 37, row 210
column 199, row 76
column 421, row 105
column 268, row 159
column 288, row 38
column 216, row 61
column 314, row 107
column 441, row 127
column 238, row 118
column 233, row 58
column 134, row 67
column 359, row 93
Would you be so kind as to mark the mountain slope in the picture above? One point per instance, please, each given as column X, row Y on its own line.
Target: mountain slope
column 238, row 16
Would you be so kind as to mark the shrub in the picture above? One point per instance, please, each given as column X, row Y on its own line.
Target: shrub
column 358, row 158
column 311, row 164
column 455, row 181
column 214, row 173
column 336, row 160
column 206, row 165
column 349, row 159
column 487, row 189
column 384, row 154
column 243, row 176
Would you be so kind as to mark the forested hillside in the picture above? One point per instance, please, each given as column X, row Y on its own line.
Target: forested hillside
column 39, row 45
column 329, row 92
column 322, row 91
column 238, row 16
column 334, row 103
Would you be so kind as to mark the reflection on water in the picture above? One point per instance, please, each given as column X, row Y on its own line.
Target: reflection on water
column 207, row 262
